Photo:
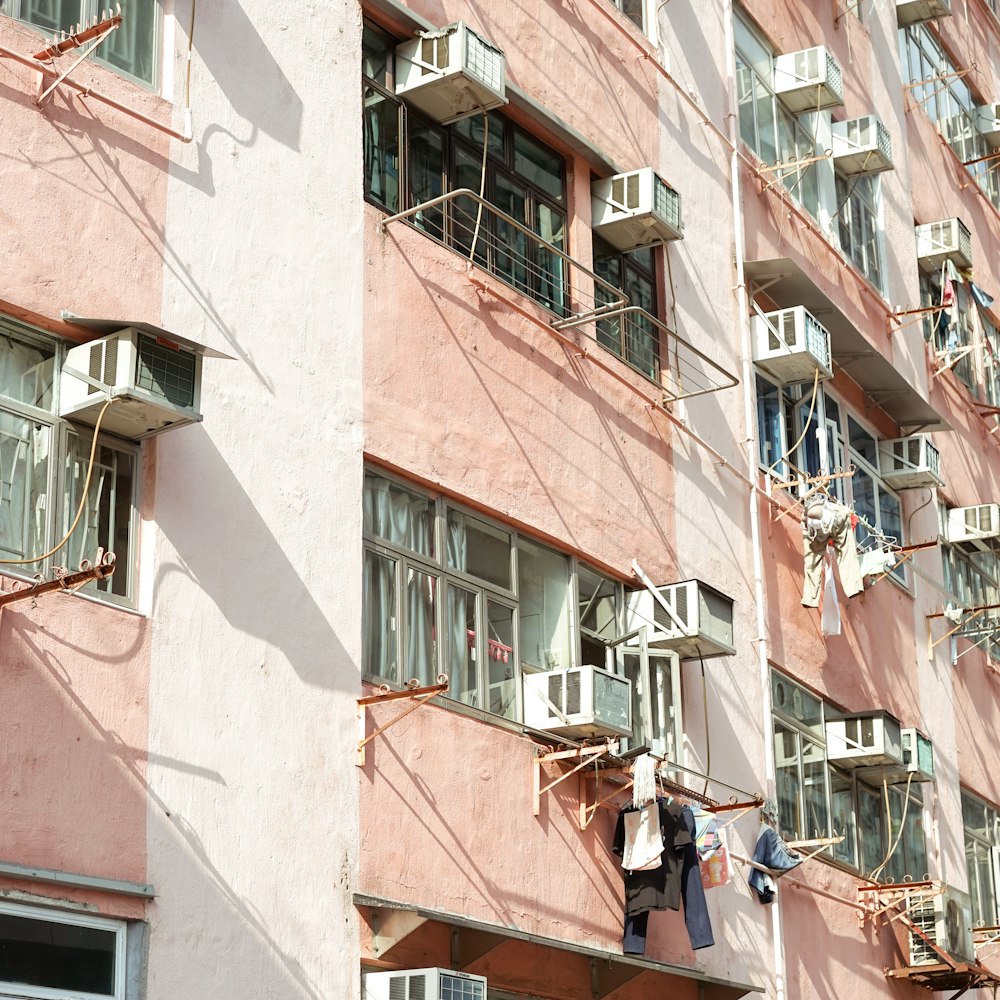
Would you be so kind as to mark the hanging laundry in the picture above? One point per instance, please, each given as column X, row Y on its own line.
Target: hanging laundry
column 983, row 300
column 656, row 888
column 875, row 562
column 772, row 853
column 830, row 618
column 696, row 919
column 827, row 522
column 944, row 316
column 713, row 851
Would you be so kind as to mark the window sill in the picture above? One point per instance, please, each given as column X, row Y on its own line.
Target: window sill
column 113, row 601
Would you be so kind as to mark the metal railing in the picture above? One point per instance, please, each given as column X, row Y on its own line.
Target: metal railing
column 576, row 297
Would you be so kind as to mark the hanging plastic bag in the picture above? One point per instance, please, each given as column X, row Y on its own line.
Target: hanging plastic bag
column 831, row 601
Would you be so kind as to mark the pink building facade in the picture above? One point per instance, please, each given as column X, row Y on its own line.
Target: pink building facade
column 444, row 342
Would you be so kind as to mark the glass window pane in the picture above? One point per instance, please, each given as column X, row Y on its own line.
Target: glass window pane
column 797, row 703
column 543, row 591
column 478, row 548
column 132, row 47
column 510, row 258
column 501, row 666
column 871, row 826
column 788, row 790
column 464, row 212
column 550, row 225
column 421, row 645
column 381, row 619
column 24, row 473
column 472, row 128
column 26, row 371
column 106, row 518
column 598, row 604
column 425, row 156
column 862, row 442
column 399, row 516
column 661, row 722
column 814, row 777
column 844, row 820
column 462, row 635
column 380, row 124
column 375, row 53
column 52, row 15
column 540, row 167
column 44, row 953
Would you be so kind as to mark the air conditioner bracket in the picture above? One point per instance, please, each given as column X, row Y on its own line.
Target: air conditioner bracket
column 418, row 695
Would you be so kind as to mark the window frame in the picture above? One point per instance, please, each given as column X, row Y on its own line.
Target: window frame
column 608, row 641
column 58, row 514
column 990, row 841
column 858, row 208
column 90, row 9
column 73, row 919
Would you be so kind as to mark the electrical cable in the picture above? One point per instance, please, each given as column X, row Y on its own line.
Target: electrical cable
column 83, row 499
column 902, row 823
column 805, row 428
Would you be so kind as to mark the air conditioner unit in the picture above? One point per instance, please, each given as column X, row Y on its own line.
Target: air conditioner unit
column 635, row 209
column 973, row 529
column 424, row 984
column 791, row 345
column 864, row 739
column 910, row 462
column 941, row 241
column 451, row 73
column 578, row 702
column 918, row 756
column 155, row 383
column 988, row 117
column 704, row 625
column 947, row 921
column 809, row 80
column 912, row 11
column 862, row 146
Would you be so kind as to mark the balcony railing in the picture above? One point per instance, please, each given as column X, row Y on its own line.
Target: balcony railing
column 576, row 297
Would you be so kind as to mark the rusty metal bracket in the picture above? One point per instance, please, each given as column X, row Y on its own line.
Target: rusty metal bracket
column 418, row 695
column 103, row 567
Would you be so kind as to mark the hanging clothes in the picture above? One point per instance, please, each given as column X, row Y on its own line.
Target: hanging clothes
column 713, row 851
column 696, row 919
column 771, row 852
column 828, row 522
column 656, row 888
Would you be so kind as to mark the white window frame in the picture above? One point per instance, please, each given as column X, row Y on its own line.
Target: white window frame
column 57, row 516
column 88, row 11
column 871, row 214
column 991, row 845
column 42, row 914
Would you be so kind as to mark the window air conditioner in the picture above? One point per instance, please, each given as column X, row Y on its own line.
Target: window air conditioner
column 155, row 382
column 635, row 209
column 790, row 345
column 451, row 73
column 912, row 11
column 947, row 921
column 864, row 739
column 973, row 529
column 424, row 984
column 862, row 146
column 578, row 702
column 705, row 616
column 910, row 462
column 809, row 80
column 941, row 241
column 989, row 123
column 918, row 756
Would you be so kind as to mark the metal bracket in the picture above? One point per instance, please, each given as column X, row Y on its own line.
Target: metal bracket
column 104, row 567
column 419, row 695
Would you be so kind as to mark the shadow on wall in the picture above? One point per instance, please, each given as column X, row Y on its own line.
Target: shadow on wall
column 229, row 44
column 230, row 555
column 86, row 776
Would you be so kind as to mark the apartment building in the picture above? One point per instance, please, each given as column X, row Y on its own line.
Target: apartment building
column 453, row 383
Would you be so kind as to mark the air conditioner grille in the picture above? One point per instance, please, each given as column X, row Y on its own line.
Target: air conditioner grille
column 418, row 988
column 165, row 371
column 923, row 918
column 834, row 78
column 716, row 619
column 667, row 203
column 397, row 988
column 484, row 60
column 453, row 988
column 434, row 53
column 574, row 697
column 103, row 363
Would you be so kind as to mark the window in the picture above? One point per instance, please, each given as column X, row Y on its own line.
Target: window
column 44, row 467
column 450, row 592
column 973, row 580
column 981, row 822
column 828, row 443
column 524, row 179
column 632, row 9
column 48, row 954
column 860, row 232
column 948, row 102
column 767, row 127
column 951, row 339
column 632, row 337
column 817, row 799
column 132, row 48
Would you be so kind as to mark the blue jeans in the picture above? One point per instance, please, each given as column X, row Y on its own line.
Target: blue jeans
column 772, row 853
